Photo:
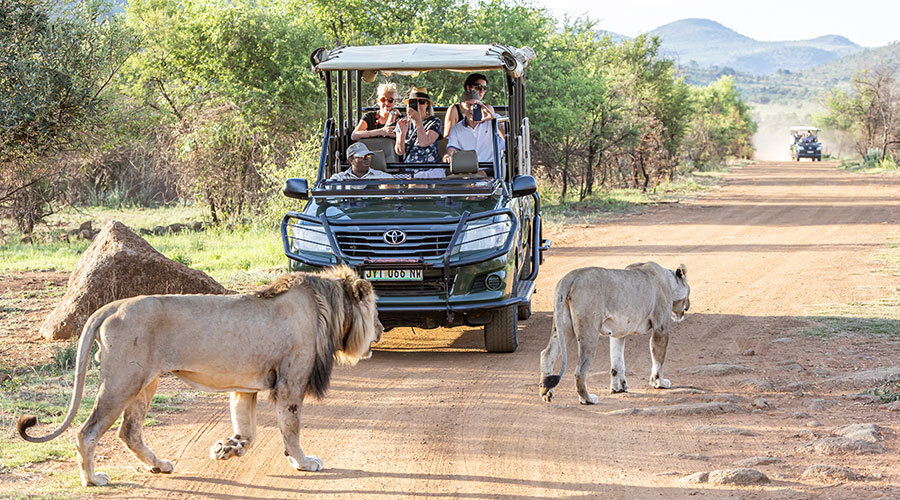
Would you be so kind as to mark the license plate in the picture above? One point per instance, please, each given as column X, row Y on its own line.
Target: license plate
column 394, row 274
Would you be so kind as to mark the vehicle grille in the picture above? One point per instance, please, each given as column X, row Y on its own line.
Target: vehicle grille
column 426, row 243
column 432, row 284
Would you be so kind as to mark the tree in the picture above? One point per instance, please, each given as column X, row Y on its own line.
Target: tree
column 56, row 65
column 722, row 126
column 871, row 109
column 232, row 84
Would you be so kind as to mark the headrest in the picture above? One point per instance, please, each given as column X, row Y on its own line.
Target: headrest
column 464, row 162
column 383, row 144
column 378, row 162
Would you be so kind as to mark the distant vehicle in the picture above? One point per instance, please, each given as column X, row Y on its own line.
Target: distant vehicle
column 806, row 143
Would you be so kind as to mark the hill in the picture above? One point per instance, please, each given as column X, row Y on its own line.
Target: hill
column 708, row 43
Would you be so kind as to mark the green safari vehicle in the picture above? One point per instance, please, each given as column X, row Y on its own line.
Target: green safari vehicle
column 459, row 250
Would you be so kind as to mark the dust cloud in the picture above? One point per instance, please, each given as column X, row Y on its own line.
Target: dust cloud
column 772, row 140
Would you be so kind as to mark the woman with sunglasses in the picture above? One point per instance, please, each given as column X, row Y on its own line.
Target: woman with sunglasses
column 379, row 123
column 419, row 131
column 476, row 82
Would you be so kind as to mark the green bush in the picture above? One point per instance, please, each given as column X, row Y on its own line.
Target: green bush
column 888, row 391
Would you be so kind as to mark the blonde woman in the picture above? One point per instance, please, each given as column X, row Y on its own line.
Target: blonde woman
column 419, row 131
column 379, row 123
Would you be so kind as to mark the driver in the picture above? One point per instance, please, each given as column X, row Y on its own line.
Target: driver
column 360, row 159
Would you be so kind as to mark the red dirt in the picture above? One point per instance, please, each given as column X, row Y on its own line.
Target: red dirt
column 431, row 415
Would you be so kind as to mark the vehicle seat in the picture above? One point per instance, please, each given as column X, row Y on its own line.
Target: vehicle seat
column 464, row 162
column 442, row 147
column 378, row 162
column 383, row 144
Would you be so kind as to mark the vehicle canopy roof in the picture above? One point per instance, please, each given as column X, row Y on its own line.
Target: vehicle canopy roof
column 804, row 128
column 411, row 59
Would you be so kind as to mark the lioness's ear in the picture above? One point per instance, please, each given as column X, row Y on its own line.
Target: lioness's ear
column 681, row 272
column 362, row 289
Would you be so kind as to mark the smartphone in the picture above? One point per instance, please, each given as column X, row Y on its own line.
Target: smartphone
column 476, row 112
column 414, row 104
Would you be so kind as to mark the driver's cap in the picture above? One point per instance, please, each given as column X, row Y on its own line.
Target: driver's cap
column 358, row 149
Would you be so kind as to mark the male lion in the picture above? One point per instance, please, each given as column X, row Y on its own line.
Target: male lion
column 616, row 303
column 283, row 339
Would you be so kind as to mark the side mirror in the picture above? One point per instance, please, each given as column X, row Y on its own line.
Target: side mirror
column 296, row 188
column 523, row 185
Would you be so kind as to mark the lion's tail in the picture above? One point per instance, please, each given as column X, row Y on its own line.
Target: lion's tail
column 563, row 330
column 88, row 335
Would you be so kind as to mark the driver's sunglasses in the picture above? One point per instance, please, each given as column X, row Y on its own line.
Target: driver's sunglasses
column 479, row 87
column 386, row 99
column 365, row 157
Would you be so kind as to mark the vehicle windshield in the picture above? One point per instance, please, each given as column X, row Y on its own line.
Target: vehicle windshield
column 406, row 187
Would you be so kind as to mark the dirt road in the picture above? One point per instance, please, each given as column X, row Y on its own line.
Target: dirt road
column 432, row 416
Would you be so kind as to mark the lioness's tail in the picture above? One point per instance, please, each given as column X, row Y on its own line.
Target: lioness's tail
column 88, row 335
column 563, row 330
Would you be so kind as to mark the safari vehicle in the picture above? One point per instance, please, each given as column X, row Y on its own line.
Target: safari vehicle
column 459, row 250
column 806, row 143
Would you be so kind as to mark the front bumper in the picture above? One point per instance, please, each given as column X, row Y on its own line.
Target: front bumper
column 453, row 290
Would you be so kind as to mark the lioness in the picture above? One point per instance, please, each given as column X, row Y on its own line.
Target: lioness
column 283, row 339
column 616, row 303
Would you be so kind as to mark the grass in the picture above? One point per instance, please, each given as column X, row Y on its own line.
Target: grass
column 45, row 391
column 875, row 318
column 835, row 326
column 67, row 485
column 234, row 257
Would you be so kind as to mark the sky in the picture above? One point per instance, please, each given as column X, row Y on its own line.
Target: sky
column 870, row 23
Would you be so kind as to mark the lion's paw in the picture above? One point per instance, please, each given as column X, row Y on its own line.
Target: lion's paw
column 592, row 399
column 617, row 386
column 164, row 467
column 98, row 479
column 546, row 394
column 659, row 383
column 310, row 463
column 227, row 448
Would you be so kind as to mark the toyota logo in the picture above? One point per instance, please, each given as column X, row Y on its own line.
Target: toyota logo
column 394, row 237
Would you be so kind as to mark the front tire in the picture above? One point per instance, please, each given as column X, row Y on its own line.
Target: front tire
column 501, row 333
column 524, row 310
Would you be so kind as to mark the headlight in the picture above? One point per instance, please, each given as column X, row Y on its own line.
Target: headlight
column 310, row 238
column 483, row 235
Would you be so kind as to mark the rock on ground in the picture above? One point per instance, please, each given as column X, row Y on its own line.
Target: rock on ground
column 717, row 370
column 871, row 433
column 722, row 429
column 680, row 410
column 738, row 477
column 842, row 446
column 756, row 384
column 828, row 473
column 696, row 478
column 757, row 461
column 863, row 378
column 117, row 265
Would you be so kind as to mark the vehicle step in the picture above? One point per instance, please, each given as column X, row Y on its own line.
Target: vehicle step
column 524, row 289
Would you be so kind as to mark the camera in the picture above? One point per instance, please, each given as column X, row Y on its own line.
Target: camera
column 414, row 104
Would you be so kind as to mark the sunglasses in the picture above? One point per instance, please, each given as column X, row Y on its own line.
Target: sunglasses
column 386, row 99
column 364, row 157
column 419, row 101
column 479, row 87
